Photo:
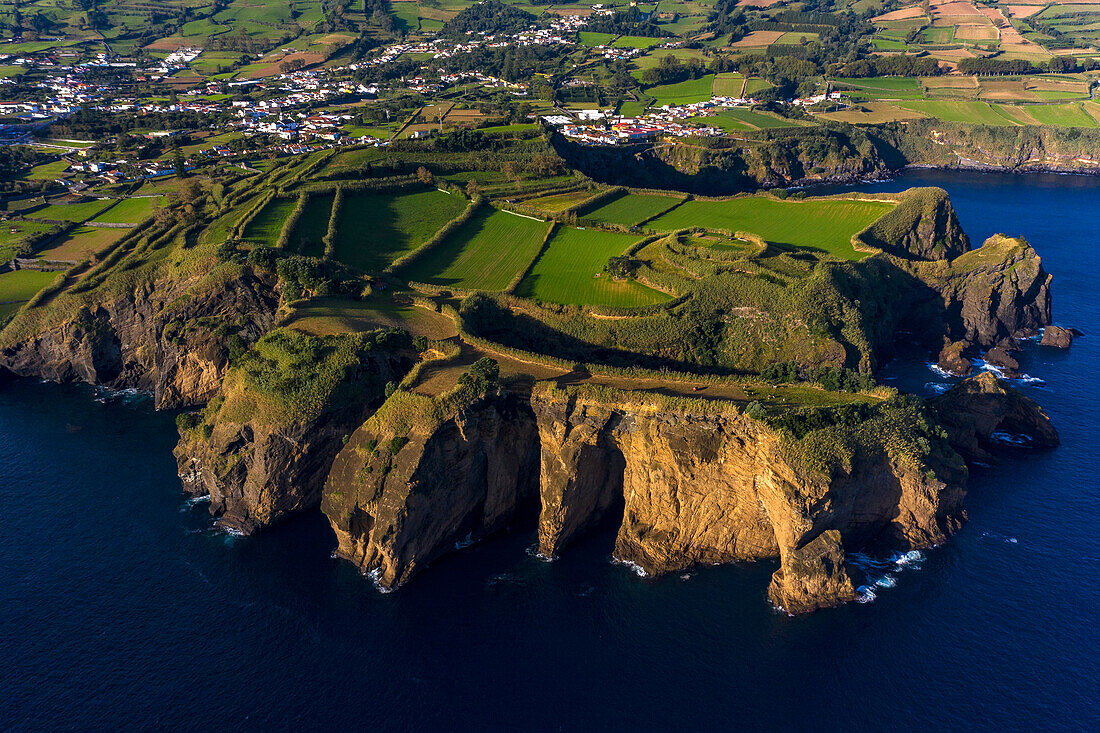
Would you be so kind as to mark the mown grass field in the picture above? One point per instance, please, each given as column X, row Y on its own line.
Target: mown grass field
column 570, row 271
column 486, row 253
column 129, row 211
column 684, row 92
column 376, row 229
column 630, row 209
column 70, row 212
column 981, row 113
column 824, row 225
column 559, row 201
column 265, row 226
column 20, row 286
column 588, row 38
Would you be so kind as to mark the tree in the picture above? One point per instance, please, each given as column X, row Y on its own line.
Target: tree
column 179, row 164
column 424, row 175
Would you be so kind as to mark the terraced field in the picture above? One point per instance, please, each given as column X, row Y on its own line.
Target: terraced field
column 560, row 201
column 570, row 272
column 630, row 209
column 376, row 229
column 265, row 226
column 71, row 212
column 821, row 225
column 129, row 211
column 684, row 92
column 486, row 253
column 312, row 227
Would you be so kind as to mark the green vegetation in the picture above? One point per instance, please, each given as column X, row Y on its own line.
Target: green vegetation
column 376, row 229
column 571, row 271
column 824, row 225
column 130, row 211
column 486, row 253
column 630, row 209
column 71, row 212
column 684, row 92
column 20, row 286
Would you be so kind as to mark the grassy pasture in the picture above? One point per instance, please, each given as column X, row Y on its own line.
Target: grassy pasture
column 570, row 271
column 559, row 201
column 19, row 286
column 630, row 209
column 588, row 38
column 266, row 225
column 1062, row 115
column 962, row 111
column 376, row 229
column 129, row 211
column 684, row 92
column 312, row 227
column 637, row 42
column 486, row 253
column 825, row 225
column 71, row 212
column 10, row 240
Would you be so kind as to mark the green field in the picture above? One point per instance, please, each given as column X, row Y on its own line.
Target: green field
column 588, row 38
column 1062, row 115
column 570, row 272
column 822, row 225
column 9, row 240
column 637, row 42
column 312, row 227
column 20, row 286
column 376, row 229
column 130, row 211
column 486, row 253
column 684, row 92
column 265, row 226
column 740, row 118
column 981, row 113
column 71, row 212
column 48, row 171
column 557, row 202
column 728, row 85
column 630, row 209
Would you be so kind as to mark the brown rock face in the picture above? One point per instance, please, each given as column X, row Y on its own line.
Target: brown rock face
column 977, row 411
column 1000, row 357
column 257, row 471
column 158, row 339
column 691, row 489
column 812, row 576
column 394, row 512
column 1058, row 337
column 951, row 359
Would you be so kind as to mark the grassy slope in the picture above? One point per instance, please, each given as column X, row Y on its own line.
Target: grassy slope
column 268, row 223
column 630, row 209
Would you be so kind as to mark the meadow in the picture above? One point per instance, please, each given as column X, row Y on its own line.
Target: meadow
column 10, row 240
column 265, row 226
column 129, row 211
column 684, row 92
column 71, row 212
column 82, row 243
column 560, row 201
column 376, row 229
column 486, row 253
column 631, row 209
column 822, row 225
column 312, row 227
column 19, row 286
column 570, row 271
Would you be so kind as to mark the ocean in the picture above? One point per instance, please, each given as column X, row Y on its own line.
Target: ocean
column 122, row 607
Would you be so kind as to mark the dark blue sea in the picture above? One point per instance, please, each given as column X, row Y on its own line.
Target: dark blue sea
column 122, row 608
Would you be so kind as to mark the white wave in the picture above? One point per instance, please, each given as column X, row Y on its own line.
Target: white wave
column 937, row 387
column 882, row 573
column 465, row 542
column 374, row 576
column 632, row 566
column 195, row 500
column 942, row 373
column 533, row 551
column 1002, row 437
column 866, row 594
column 1003, row 538
column 886, row 581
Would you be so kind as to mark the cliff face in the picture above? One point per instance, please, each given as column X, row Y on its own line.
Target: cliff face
column 685, row 487
column 157, row 338
column 396, row 505
column 996, row 292
column 260, row 462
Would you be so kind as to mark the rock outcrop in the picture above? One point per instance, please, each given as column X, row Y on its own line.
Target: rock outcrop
column 398, row 502
column 982, row 411
column 1058, row 337
column 171, row 339
column 261, row 458
column 922, row 226
column 692, row 485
